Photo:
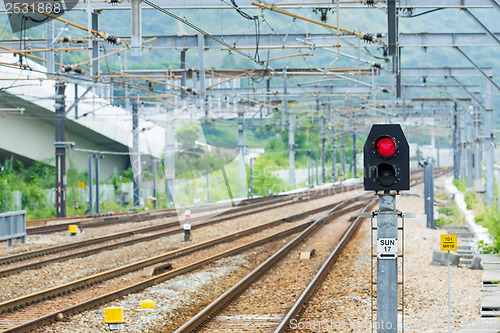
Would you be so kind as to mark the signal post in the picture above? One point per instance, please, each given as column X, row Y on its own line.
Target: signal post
column 387, row 171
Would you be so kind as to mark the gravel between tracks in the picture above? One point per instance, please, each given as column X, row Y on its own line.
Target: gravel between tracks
column 260, row 307
column 37, row 241
column 343, row 304
column 176, row 300
column 34, row 280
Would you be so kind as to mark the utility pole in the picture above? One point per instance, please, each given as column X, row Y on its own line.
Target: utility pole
column 308, row 171
column 5, row 195
column 136, row 163
column 354, row 168
column 97, row 204
column 60, row 146
column 470, row 151
column 201, row 59
column 323, row 150
column 49, row 56
column 463, row 145
column 136, row 34
column 317, row 175
column 285, row 100
column 91, row 184
column 268, row 98
column 342, row 154
column 489, row 145
column 95, row 46
column 183, row 73
column 251, row 178
column 170, row 159
column 333, row 173
column 241, row 145
column 291, row 135
column 208, row 182
column 429, row 192
column 456, row 144
column 478, row 184
column 153, row 166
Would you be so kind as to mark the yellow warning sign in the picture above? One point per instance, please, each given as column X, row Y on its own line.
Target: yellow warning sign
column 448, row 242
column 81, row 185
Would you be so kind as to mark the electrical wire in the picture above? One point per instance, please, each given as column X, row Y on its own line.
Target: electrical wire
column 185, row 21
column 424, row 13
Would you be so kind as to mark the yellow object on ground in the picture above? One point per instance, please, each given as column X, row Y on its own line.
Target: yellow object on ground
column 73, row 229
column 148, row 304
column 113, row 315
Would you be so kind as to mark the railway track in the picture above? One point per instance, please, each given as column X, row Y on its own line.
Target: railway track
column 55, row 225
column 29, row 316
column 248, row 306
column 27, row 312
column 17, row 262
column 222, row 315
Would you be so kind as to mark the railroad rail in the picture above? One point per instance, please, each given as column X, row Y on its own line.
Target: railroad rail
column 99, row 221
column 200, row 319
column 173, row 229
column 209, row 313
column 305, row 228
column 338, row 208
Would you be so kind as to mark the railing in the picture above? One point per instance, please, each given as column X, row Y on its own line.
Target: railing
column 13, row 226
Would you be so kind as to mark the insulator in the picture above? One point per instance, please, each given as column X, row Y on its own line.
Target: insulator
column 368, row 37
column 385, row 90
column 114, row 2
column 370, row 3
column 324, row 12
column 113, row 39
column 377, row 65
column 66, row 69
column 379, row 35
column 79, row 70
column 67, row 39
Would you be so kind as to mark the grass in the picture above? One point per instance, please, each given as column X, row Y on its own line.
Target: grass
column 461, row 184
column 449, row 214
column 487, row 216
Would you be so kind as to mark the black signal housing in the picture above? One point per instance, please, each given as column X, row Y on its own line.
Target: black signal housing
column 386, row 159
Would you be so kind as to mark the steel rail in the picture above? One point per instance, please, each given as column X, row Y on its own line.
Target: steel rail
column 129, row 233
column 87, row 281
column 88, row 242
column 325, row 269
column 47, row 319
column 208, row 312
column 322, row 273
column 204, row 315
column 194, row 208
column 84, row 253
column 92, row 222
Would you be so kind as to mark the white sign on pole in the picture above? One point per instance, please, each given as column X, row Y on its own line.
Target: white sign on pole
column 387, row 248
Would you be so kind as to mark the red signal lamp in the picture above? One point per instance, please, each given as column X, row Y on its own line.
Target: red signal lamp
column 385, row 146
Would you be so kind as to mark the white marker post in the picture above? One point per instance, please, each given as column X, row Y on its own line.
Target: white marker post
column 449, row 243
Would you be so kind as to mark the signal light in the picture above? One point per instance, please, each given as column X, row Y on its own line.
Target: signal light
column 386, row 159
column 385, row 146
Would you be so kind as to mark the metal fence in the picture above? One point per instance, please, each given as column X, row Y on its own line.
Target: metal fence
column 13, row 226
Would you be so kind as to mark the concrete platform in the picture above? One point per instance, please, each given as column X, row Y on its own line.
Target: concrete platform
column 490, row 276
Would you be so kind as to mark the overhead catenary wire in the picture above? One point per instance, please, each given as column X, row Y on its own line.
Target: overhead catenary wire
column 364, row 36
column 185, row 21
column 106, row 36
